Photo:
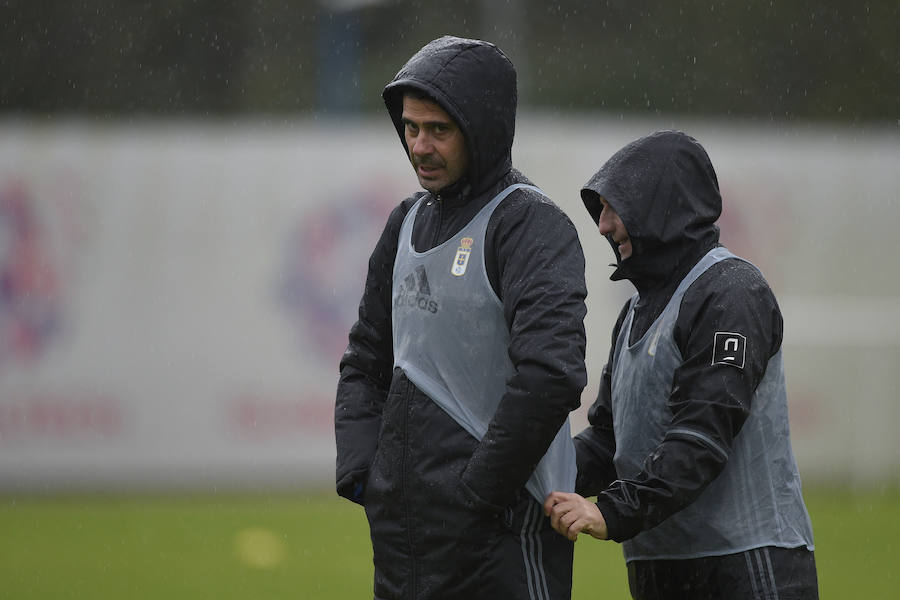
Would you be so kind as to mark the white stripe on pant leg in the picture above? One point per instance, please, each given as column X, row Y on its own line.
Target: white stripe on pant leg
column 763, row 580
column 771, row 573
column 523, row 538
column 750, row 574
column 533, row 571
column 539, row 546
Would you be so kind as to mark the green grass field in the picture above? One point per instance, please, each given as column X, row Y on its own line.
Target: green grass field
column 316, row 546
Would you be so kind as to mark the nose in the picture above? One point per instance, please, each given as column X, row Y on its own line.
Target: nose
column 422, row 144
column 605, row 222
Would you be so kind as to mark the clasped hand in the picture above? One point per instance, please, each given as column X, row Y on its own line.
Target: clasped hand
column 571, row 514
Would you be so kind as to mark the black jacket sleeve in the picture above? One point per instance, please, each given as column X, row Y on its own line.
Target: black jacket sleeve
column 595, row 446
column 541, row 271
column 709, row 402
column 365, row 369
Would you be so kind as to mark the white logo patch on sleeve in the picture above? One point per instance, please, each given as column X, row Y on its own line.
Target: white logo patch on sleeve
column 729, row 349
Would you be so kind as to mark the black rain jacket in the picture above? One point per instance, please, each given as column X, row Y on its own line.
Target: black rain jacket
column 432, row 492
column 665, row 190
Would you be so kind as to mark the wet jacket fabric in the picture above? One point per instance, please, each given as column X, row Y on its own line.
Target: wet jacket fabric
column 665, row 190
column 449, row 515
column 756, row 500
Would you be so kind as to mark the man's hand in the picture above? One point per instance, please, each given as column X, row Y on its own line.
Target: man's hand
column 571, row 514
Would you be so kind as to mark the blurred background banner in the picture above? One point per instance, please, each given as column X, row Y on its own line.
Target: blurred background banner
column 176, row 299
column 189, row 193
column 176, row 295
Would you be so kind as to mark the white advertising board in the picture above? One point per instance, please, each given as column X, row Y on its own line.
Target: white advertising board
column 175, row 296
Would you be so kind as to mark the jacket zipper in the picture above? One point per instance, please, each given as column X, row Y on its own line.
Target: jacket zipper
column 440, row 218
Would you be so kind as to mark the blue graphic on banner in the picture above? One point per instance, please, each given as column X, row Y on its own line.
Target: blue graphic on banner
column 324, row 270
column 30, row 286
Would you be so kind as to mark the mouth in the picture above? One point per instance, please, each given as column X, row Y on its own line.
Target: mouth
column 428, row 169
column 623, row 246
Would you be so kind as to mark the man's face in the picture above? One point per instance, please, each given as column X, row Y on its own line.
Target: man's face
column 437, row 147
column 611, row 226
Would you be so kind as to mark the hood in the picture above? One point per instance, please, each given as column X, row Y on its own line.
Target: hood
column 665, row 190
column 476, row 84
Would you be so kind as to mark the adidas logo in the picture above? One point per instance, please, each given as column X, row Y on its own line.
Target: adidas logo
column 415, row 292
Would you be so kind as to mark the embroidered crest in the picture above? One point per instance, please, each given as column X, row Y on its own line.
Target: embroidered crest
column 729, row 349
column 462, row 256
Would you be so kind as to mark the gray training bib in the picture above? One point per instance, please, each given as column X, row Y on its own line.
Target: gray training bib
column 756, row 500
column 451, row 339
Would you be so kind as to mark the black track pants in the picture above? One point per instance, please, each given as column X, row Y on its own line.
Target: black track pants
column 766, row 573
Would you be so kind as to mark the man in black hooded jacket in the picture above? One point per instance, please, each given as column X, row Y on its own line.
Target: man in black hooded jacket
column 688, row 449
column 451, row 418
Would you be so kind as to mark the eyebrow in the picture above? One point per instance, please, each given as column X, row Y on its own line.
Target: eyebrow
column 408, row 121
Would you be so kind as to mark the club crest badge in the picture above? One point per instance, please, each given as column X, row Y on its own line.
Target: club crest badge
column 461, row 261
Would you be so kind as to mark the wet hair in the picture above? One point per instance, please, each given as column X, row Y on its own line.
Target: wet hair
column 416, row 94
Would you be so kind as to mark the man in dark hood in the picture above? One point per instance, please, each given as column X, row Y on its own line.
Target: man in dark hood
column 688, row 449
column 451, row 417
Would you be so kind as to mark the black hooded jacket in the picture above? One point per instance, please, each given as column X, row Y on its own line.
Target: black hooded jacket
column 665, row 190
column 398, row 454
